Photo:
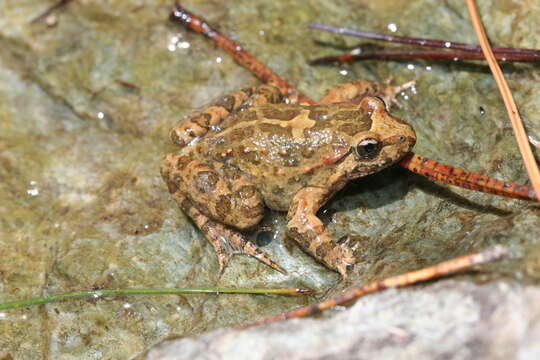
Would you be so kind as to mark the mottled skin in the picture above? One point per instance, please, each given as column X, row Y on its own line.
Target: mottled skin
column 250, row 149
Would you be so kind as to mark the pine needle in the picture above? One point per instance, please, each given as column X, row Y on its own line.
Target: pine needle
column 513, row 113
column 97, row 294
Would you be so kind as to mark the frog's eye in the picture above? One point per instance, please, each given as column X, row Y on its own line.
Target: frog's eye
column 367, row 149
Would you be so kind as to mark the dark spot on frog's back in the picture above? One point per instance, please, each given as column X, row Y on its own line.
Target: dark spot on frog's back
column 351, row 128
column 361, row 119
column 246, row 114
column 223, row 205
column 206, row 181
column 181, row 162
column 242, row 133
column 274, row 112
column 247, row 191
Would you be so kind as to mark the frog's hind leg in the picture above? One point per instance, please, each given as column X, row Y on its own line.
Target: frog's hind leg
column 216, row 204
column 225, row 241
column 356, row 90
column 200, row 123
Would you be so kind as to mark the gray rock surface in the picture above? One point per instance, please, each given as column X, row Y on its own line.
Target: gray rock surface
column 82, row 205
column 451, row 320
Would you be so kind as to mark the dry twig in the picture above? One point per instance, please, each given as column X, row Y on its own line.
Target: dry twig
column 513, row 113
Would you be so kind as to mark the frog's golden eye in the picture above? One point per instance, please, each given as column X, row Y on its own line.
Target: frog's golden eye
column 367, row 149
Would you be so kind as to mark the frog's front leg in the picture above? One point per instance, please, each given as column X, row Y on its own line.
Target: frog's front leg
column 218, row 201
column 307, row 229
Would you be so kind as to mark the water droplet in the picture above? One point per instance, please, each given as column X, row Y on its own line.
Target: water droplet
column 183, row 45
column 3, row 316
column 343, row 72
column 100, row 115
column 482, row 110
column 126, row 306
column 392, row 27
column 410, row 67
column 219, row 59
column 428, row 68
column 33, row 192
column 448, row 44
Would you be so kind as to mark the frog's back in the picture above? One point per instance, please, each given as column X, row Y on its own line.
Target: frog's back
column 285, row 147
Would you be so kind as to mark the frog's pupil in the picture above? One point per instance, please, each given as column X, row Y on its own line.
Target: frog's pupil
column 369, row 148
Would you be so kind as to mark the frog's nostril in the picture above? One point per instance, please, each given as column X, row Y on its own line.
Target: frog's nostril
column 402, row 138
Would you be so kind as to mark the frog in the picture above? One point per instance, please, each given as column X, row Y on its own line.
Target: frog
column 256, row 148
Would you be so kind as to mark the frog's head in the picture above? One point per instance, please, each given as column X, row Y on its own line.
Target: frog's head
column 385, row 143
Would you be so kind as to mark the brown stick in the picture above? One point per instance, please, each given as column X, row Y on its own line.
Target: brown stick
column 422, row 41
column 454, row 176
column 389, row 54
column 442, row 269
column 241, row 56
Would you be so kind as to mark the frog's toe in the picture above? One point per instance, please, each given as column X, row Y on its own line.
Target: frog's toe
column 252, row 250
column 223, row 260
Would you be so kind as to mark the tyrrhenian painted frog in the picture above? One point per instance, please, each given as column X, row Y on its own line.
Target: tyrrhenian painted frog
column 252, row 149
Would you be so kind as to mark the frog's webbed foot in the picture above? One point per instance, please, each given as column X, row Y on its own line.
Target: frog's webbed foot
column 307, row 229
column 225, row 241
column 355, row 91
column 211, row 200
column 228, row 242
column 211, row 118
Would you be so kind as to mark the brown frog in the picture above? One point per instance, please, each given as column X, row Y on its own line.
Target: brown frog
column 254, row 148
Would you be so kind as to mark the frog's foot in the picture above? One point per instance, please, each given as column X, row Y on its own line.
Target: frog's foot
column 211, row 117
column 355, row 91
column 212, row 200
column 225, row 241
column 307, row 229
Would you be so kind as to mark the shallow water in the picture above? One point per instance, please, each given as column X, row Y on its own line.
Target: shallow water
column 82, row 205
